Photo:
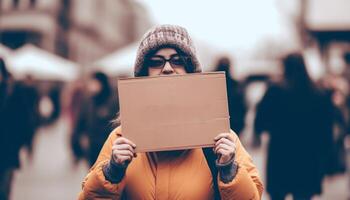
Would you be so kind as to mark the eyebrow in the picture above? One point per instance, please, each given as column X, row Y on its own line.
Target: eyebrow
column 172, row 55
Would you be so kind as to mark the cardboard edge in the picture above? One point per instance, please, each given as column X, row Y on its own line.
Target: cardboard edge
column 174, row 148
column 189, row 74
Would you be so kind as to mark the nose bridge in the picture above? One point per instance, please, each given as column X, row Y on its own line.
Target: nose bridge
column 167, row 68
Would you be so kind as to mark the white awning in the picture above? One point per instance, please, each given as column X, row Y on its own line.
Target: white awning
column 120, row 62
column 4, row 51
column 31, row 60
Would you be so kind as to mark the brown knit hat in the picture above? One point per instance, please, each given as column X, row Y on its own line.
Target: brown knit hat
column 165, row 35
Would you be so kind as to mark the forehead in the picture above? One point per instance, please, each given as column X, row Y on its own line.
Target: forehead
column 166, row 52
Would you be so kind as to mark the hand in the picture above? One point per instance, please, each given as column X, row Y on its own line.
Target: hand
column 123, row 151
column 224, row 147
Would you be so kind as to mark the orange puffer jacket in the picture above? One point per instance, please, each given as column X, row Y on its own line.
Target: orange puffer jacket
column 185, row 177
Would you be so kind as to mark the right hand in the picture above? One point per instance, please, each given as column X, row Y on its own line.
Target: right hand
column 123, row 150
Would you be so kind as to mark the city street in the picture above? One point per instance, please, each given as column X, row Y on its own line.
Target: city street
column 284, row 65
column 51, row 174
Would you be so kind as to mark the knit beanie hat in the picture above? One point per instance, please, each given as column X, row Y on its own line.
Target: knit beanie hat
column 168, row 36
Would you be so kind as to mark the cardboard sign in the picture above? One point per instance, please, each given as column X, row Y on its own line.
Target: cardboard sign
column 173, row 112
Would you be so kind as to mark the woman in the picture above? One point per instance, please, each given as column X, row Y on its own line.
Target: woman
column 298, row 119
column 121, row 173
column 96, row 111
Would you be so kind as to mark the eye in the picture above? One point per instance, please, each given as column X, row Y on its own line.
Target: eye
column 154, row 63
column 177, row 60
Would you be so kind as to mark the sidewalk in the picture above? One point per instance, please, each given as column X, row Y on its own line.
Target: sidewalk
column 336, row 187
column 51, row 174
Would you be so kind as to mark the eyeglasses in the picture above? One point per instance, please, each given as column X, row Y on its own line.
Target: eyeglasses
column 158, row 62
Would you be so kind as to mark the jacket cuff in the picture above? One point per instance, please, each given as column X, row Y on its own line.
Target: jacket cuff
column 114, row 172
column 97, row 181
column 227, row 170
column 241, row 187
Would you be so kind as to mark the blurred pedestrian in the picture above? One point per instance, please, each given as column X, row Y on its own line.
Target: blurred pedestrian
column 6, row 169
column 27, row 96
column 14, row 127
column 55, row 97
column 298, row 119
column 236, row 102
column 97, row 110
column 338, row 90
column 120, row 173
column 72, row 106
column 73, row 96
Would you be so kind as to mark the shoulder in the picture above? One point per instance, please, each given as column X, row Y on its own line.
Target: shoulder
column 117, row 132
column 277, row 87
column 274, row 90
column 234, row 135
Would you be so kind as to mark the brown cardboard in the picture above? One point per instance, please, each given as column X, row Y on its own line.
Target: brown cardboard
column 173, row 112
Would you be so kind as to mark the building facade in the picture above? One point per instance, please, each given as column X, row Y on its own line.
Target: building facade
column 80, row 30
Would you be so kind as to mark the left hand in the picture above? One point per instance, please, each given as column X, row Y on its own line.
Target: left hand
column 224, row 147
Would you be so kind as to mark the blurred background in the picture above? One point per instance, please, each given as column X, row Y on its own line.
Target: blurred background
column 60, row 61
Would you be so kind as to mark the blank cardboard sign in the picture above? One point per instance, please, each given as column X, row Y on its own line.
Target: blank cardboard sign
column 173, row 112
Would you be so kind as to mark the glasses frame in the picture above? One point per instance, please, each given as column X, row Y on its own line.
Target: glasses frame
column 164, row 61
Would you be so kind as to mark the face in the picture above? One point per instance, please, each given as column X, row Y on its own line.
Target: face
column 94, row 86
column 166, row 61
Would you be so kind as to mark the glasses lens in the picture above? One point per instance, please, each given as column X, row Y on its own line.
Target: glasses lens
column 155, row 63
column 177, row 61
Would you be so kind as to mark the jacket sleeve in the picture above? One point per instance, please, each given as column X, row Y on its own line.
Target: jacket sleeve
column 246, row 185
column 95, row 185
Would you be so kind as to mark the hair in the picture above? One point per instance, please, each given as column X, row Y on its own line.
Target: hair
column 117, row 120
column 189, row 65
column 295, row 73
column 4, row 83
column 106, row 91
column 4, row 73
column 224, row 64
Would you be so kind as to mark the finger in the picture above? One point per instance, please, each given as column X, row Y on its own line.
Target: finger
column 222, row 152
column 120, row 159
column 123, row 147
column 224, row 147
column 224, row 135
column 123, row 153
column 225, row 141
column 123, row 140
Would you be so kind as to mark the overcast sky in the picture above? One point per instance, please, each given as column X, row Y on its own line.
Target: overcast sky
column 231, row 24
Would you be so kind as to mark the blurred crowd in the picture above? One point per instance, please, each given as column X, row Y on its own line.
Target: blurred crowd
column 19, row 119
column 307, row 128
column 307, row 121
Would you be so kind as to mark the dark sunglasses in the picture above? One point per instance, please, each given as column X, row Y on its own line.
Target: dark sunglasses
column 159, row 61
